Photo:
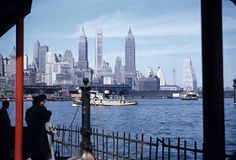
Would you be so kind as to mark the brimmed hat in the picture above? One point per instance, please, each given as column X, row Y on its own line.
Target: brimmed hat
column 36, row 99
column 42, row 97
column 5, row 102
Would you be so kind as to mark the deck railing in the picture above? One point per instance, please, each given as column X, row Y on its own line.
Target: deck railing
column 116, row 145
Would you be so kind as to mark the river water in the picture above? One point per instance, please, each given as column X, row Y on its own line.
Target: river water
column 163, row 118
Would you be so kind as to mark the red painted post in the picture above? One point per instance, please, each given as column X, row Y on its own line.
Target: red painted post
column 19, row 88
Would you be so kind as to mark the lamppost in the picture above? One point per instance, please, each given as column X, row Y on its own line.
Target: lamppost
column 85, row 146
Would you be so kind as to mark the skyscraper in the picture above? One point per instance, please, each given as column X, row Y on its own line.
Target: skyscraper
column 2, row 72
column 130, row 69
column 39, row 56
column 119, row 71
column 190, row 81
column 26, row 59
column 68, row 57
column 83, row 51
column 98, row 51
column 50, row 61
column 161, row 76
column 12, row 63
column 149, row 72
column 36, row 54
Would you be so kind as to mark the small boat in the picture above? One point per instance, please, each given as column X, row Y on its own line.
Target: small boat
column 111, row 102
column 100, row 99
column 76, row 102
column 189, row 95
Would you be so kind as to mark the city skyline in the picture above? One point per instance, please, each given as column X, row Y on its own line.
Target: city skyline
column 164, row 32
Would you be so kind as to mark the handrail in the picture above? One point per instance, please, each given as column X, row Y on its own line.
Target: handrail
column 115, row 146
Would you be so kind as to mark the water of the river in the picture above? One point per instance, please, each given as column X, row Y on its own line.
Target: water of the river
column 168, row 118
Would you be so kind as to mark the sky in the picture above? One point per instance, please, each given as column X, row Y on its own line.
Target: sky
column 167, row 32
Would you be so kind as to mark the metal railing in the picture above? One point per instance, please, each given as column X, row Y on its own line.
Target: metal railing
column 118, row 145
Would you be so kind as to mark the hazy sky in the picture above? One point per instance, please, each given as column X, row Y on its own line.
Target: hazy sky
column 166, row 32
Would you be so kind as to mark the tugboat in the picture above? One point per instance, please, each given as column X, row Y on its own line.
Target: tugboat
column 105, row 99
column 189, row 95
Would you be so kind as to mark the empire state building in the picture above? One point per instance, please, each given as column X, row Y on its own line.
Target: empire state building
column 83, row 51
column 130, row 69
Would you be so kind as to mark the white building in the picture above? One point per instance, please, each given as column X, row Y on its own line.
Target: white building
column 161, row 76
column 190, row 81
column 50, row 62
column 149, row 71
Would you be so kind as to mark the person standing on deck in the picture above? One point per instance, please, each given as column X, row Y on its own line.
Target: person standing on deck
column 5, row 132
column 36, row 117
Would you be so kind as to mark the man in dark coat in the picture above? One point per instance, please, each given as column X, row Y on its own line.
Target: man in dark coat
column 5, row 129
column 36, row 117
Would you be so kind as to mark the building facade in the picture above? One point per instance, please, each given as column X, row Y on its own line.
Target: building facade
column 190, row 80
column 149, row 84
column 68, row 57
column 98, row 51
column 160, row 75
column 2, row 70
column 130, row 68
column 119, row 76
column 83, row 51
column 39, row 60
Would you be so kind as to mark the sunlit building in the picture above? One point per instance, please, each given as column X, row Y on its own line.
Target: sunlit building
column 26, row 61
column 149, row 71
column 39, row 60
column 190, row 80
column 161, row 76
column 98, row 51
column 11, row 67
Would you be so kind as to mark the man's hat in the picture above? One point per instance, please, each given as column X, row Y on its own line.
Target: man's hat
column 36, row 99
column 42, row 97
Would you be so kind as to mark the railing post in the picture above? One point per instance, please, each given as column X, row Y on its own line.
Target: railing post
column 178, row 149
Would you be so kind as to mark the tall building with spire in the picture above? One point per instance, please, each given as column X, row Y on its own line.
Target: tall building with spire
column 83, row 51
column 130, row 68
column 98, row 51
column 190, row 80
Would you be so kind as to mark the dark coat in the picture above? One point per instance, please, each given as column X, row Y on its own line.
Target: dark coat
column 37, row 145
column 5, row 134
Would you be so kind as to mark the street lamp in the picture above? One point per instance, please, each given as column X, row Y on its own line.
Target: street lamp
column 86, row 145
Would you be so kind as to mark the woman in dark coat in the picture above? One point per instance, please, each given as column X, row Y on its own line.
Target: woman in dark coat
column 5, row 129
column 36, row 117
